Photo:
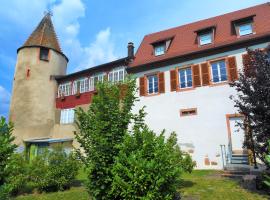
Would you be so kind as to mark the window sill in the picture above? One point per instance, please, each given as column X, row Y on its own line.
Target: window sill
column 219, row 83
column 151, row 95
column 185, row 89
column 46, row 60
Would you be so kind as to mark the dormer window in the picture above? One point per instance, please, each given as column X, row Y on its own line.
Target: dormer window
column 44, row 54
column 205, row 38
column 205, row 35
column 245, row 29
column 160, row 49
column 244, row 26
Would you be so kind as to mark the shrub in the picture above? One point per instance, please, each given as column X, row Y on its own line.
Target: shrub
column 59, row 171
column 148, row 166
column 6, row 151
column 267, row 175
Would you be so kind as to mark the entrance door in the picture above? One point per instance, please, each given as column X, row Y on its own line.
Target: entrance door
column 237, row 134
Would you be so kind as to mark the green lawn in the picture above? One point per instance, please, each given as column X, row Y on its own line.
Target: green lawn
column 200, row 185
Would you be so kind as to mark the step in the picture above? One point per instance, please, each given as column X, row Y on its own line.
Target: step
column 240, row 155
column 233, row 175
column 235, row 172
column 237, row 167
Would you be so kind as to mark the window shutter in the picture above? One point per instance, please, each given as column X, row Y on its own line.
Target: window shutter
column 232, row 69
column 173, row 75
column 196, row 75
column 142, row 86
column 161, row 82
column 205, row 74
column 247, row 65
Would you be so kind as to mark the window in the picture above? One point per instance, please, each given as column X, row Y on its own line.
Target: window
column 64, row 89
column 75, row 86
column 205, row 39
column 117, row 75
column 152, row 84
column 219, row 72
column 83, row 85
column 185, row 77
column 93, row 80
column 188, row 112
column 44, row 54
column 245, row 29
column 67, row 116
column 159, row 49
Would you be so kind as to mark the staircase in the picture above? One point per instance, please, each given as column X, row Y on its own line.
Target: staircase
column 239, row 159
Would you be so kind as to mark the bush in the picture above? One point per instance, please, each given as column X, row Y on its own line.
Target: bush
column 59, row 171
column 51, row 171
column 148, row 167
column 6, row 151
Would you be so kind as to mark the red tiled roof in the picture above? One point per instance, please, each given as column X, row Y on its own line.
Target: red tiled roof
column 184, row 41
column 44, row 35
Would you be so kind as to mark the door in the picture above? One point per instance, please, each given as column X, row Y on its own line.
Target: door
column 236, row 133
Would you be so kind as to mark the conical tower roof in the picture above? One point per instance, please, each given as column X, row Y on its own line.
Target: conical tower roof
column 44, row 35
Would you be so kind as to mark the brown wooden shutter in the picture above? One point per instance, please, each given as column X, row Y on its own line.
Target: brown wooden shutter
column 142, row 86
column 247, row 65
column 196, row 76
column 173, row 75
column 232, row 69
column 205, row 74
column 161, row 82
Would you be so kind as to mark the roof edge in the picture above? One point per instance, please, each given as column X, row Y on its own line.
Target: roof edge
column 38, row 46
column 125, row 59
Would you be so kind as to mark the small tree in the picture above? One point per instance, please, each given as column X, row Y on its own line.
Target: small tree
column 101, row 129
column 7, row 149
column 253, row 101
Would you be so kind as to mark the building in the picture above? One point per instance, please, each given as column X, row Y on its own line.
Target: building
column 182, row 74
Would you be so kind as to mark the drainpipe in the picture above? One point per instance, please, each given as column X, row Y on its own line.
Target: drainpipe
column 221, row 147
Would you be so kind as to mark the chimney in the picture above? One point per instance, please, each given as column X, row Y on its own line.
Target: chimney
column 130, row 50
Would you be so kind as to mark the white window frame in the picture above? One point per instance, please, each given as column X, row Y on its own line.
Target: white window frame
column 64, row 89
column 84, row 87
column 67, row 116
column 206, row 34
column 219, row 72
column 74, row 87
column 153, row 84
column 92, row 84
column 158, row 51
column 244, row 24
column 117, row 75
column 186, row 78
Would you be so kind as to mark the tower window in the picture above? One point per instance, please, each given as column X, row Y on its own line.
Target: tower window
column 44, row 54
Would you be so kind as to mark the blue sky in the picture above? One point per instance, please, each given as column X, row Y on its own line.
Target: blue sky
column 92, row 32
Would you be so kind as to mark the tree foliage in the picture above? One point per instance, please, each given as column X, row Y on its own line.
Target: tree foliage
column 101, row 129
column 7, row 149
column 125, row 161
column 253, row 101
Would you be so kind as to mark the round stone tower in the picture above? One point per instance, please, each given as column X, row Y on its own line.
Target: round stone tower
column 39, row 60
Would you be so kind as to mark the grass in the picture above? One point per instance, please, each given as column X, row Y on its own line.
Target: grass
column 207, row 185
column 199, row 185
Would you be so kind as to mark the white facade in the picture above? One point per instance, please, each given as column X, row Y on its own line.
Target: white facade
column 200, row 134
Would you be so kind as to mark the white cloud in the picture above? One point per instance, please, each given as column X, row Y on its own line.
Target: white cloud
column 4, row 101
column 99, row 51
column 66, row 16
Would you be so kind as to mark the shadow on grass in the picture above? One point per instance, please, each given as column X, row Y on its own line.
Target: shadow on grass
column 186, row 184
